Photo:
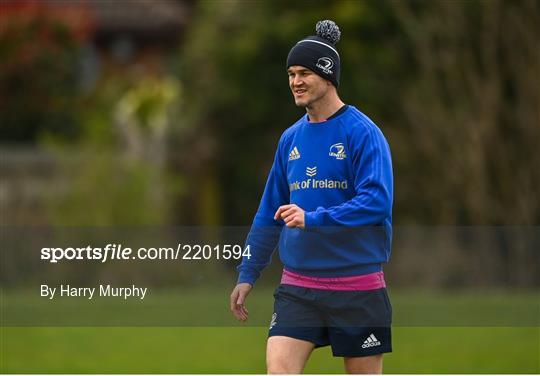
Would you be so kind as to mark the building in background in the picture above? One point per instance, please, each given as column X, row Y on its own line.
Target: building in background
column 58, row 50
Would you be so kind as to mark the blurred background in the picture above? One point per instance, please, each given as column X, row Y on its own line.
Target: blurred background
column 153, row 112
column 168, row 113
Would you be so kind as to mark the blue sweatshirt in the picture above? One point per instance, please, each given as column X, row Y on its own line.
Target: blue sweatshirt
column 340, row 173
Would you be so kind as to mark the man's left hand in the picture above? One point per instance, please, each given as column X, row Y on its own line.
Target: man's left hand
column 292, row 215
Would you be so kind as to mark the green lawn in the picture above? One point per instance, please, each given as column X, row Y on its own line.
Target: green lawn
column 191, row 331
column 241, row 350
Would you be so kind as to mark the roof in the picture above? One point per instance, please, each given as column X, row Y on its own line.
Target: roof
column 144, row 18
column 139, row 16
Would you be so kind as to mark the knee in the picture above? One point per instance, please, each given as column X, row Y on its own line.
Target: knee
column 287, row 355
column 277, row 366
column 364, row 365
column 277, row 370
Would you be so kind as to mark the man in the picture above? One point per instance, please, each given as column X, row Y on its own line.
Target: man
column 328, row 201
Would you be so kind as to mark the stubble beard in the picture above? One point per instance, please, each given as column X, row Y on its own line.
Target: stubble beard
column 306, row 102
column 301, row 104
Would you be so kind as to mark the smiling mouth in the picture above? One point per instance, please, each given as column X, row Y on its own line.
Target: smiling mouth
column 299, row 91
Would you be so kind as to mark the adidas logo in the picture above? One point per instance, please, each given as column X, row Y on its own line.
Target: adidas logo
column 295, row 154
column 371, row 341
column 311, row 171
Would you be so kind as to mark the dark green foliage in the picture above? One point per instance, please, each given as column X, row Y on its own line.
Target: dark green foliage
column 450, row 83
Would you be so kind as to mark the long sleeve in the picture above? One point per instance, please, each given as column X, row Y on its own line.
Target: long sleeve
column 373, row 183
column 265, row 231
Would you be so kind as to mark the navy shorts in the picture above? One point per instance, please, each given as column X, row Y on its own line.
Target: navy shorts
column 354, row 323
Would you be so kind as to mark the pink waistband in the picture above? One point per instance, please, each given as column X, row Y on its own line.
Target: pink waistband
column 371, row 281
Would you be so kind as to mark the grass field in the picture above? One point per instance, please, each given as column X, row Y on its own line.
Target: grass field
column 241, row 350
column 218, row 348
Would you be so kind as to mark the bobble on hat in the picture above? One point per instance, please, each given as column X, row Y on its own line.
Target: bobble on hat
column 328, row 30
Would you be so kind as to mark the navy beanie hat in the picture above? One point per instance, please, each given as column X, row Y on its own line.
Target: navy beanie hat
column 318, row 52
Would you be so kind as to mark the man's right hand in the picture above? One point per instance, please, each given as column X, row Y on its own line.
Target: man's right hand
column 238, row 299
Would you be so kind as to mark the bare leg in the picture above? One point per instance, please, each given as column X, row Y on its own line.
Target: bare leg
column 287, row 355
column 364, row 364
